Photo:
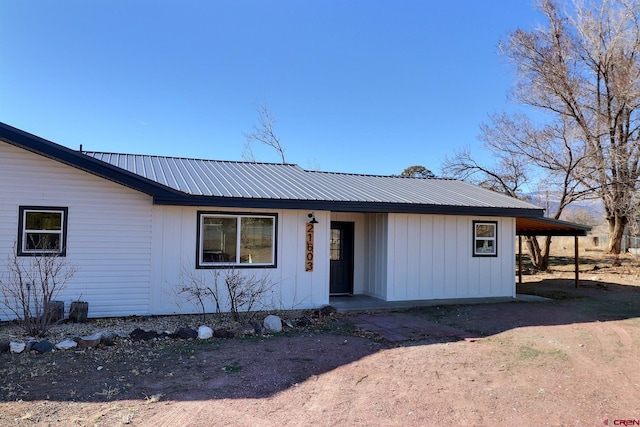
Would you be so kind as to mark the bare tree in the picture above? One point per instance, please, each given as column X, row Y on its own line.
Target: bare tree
column 583, row 69
column 263, row 133
column 529, row 160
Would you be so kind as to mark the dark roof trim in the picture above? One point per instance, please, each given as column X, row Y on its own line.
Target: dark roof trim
column 549, row 227
column 342, row 206
column 164, row 195
column 41, row 146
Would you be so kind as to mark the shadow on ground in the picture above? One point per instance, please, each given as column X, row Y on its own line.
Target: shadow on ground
column 261, row 367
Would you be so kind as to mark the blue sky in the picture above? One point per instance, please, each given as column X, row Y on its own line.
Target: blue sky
column 362, row 86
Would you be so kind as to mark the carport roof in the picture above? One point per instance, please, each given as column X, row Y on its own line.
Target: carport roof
column 543, row 226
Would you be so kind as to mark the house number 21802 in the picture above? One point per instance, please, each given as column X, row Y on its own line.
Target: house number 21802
column 308, row 259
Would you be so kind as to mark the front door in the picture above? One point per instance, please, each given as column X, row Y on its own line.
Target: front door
column 341, row 258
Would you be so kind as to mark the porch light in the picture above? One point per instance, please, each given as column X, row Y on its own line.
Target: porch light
column 313, row 218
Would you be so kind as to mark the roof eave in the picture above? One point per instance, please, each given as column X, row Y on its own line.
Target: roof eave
column 345, row 206
column 76, row 159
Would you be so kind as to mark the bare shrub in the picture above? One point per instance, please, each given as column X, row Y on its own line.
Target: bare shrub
column 247, row 293
column 231, row 290
column 32, row 284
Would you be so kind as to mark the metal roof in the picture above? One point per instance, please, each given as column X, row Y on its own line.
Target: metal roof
column 274, row 181
column 196, row 182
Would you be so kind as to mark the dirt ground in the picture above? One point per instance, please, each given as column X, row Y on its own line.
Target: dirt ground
column 573, row 360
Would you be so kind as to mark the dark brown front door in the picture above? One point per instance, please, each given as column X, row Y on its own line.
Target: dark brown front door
column 341, row 258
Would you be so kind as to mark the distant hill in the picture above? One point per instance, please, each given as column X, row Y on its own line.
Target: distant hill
column 589, row 212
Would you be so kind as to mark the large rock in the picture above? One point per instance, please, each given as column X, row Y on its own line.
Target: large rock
column 4, row 346
column 205, row 332
column 43, row 346
column 142, row 335
column 186, row 333
column 66, row 344
column 17, row 347
column 272, row 324
column 88, row 341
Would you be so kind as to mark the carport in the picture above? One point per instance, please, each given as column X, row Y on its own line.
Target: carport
column 549, row 227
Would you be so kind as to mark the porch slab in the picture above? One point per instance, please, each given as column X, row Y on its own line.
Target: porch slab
column 354, row 303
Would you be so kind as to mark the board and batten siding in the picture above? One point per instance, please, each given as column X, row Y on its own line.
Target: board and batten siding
column 378, row 235
column 430, row 257
column 108, row 230
column 175, row 250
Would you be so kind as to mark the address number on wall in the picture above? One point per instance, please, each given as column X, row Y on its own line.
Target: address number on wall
column 309, row 252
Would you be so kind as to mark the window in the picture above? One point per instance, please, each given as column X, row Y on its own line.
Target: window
column 485, row 242
column 42, row 231
column 236, row 240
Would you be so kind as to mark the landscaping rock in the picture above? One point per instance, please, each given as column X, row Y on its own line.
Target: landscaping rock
column 43, row 346
column 109, row 338
column 88, row 341
column 142, row 335
column 4, row 346
column 66, row 344
column 17, row 347
column 272, row 324
column 186, row 333
column 205, row 332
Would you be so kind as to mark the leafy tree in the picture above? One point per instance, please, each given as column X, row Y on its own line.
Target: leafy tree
column 418, row 171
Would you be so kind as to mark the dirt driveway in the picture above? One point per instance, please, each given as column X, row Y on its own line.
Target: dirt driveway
column 572, row 361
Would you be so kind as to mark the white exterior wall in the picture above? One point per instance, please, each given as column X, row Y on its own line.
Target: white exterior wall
column 430, row 257
column 174, row 252
column 132, row 256
column 108, row 230
column 378, row 254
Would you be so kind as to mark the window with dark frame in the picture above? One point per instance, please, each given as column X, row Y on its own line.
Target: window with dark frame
column 242, row 240
column 42, row 231
column 485, row 238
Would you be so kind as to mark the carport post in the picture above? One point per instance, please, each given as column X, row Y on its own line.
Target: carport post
column 520, row 260
column 575, row 247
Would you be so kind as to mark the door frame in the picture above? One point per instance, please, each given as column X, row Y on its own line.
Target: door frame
column 348, row 228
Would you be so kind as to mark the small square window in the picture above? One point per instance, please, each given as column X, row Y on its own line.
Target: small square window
column 42, row 231
column 485, row 238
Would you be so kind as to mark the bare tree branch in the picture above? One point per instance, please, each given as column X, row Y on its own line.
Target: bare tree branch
column 264, row 133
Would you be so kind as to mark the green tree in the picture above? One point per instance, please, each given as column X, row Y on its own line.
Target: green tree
column 418, row 171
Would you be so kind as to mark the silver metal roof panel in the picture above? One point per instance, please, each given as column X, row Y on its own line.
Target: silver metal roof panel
column 248, row 180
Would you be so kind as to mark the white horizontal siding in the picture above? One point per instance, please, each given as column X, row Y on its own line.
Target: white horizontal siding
column 108, row 229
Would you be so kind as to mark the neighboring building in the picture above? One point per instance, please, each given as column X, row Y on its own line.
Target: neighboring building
column 136, row 225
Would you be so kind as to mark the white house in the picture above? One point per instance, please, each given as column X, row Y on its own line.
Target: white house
column 135, row 226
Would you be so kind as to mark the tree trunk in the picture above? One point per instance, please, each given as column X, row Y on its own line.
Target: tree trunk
column 539, row 259
column 544, row 259
column 617, row 225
